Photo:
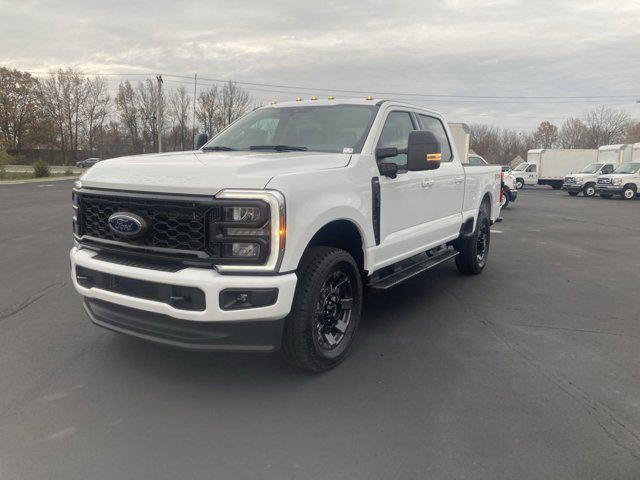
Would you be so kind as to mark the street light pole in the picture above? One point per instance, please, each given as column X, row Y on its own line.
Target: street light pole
column 159, row 80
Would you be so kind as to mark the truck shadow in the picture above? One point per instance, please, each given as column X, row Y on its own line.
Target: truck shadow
column 393, row 312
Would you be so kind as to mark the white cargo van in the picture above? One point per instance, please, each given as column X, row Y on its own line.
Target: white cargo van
column 461, row 135
column 546, row 166
column 635, row 152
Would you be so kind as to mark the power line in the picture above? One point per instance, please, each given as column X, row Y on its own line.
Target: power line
column 365, row 92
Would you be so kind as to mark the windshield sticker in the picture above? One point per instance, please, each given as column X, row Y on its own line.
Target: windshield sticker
column 347, row 150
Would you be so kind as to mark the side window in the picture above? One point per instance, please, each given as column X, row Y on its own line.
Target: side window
column 435, row 126
column 395, row 133
column 608, row 168
column 531, row 168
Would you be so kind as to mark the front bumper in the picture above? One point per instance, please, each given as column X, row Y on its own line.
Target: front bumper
column 513, row 195
column 212, row 327
column 572, row 187
column 609, row 189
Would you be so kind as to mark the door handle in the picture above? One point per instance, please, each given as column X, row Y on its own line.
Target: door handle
column 427, row 183
column 458, row 180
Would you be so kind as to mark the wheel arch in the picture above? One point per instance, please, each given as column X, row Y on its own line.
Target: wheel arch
column 341, row 233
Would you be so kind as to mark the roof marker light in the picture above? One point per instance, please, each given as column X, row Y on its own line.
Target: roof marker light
column 369, row 97
column 298, row 99
column 273, row 102
column 330, row 97
column 314, row 98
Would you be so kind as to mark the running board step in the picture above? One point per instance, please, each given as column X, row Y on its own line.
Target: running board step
column 409, row 271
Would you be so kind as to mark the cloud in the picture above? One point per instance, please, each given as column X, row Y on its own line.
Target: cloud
column 461, row 47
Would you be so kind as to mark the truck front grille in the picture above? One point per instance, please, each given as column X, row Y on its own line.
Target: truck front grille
column 604, row 181
column 172, row 223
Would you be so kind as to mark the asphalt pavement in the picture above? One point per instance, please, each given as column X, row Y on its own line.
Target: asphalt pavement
column 528, row 371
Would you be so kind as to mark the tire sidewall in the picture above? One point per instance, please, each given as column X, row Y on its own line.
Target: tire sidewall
column 589, row 188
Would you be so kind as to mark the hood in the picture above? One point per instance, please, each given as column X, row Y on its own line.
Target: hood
column 204, row 173
column 582, row 175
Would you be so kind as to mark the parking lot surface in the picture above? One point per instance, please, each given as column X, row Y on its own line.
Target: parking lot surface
column 528, row 371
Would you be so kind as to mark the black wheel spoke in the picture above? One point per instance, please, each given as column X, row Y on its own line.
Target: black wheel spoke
column 346, row 303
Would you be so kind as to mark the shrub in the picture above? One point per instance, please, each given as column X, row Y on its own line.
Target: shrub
column 68, row 171
column 41, row 169
column 3, row 172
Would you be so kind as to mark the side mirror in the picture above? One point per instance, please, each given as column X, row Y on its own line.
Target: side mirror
column 388, row 169
column 200, row 140
column 423, row 151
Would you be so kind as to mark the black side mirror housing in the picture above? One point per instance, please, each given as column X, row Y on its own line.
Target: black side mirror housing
column 386, row 152
column 424, row 151
column 200, row 140
column 388, row 169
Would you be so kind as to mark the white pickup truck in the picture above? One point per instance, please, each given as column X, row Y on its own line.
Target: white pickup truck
column 263, row 238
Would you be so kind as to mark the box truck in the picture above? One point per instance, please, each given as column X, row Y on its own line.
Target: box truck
column 615, row 154
column 547, row 166
column 460, row 134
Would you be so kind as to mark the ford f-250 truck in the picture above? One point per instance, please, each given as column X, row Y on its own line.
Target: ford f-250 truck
column 264, row 238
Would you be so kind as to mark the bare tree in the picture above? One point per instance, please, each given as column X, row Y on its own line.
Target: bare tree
column 62, row 95
column 127, row 109
column 606, row 126
column 546, row 136
column 18, row 107
column 208, row 111
column 573, row 134
column 633, row 133
column 95, row 109
column 179, row 109
column 150, row 106
column 499, row 146
column 234, row 103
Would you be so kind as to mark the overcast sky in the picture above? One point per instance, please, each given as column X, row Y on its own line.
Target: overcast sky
column 448, row 47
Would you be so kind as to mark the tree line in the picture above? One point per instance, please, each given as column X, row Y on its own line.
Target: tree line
column 77, row 114
column 601, row 126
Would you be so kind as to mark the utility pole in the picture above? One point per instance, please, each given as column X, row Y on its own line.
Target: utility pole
column 195, row 89
column 159, row 80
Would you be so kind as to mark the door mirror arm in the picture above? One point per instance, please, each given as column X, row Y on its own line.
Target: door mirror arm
column 388, row 169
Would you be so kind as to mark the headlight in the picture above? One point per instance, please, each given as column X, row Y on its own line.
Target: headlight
column 617, row 181
column 247, row 231
column 579, row 180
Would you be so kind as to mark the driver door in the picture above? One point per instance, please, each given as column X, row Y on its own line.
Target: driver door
column 408, row 203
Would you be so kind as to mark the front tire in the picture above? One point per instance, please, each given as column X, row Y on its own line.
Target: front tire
column 474, row 250
column 519, row 184
column 320, row 330
column 629, row 193
column 589, row 190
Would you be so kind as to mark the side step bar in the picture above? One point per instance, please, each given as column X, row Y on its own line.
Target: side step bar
column 409, row 268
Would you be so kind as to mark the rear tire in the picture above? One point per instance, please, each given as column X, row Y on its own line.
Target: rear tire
column 505, row 194
column 573, row 194
column 474, row 250
column 320, row 330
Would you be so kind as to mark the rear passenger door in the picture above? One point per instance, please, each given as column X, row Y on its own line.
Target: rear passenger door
column 447, row 182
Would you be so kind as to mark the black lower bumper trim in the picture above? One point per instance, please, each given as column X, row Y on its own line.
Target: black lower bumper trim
column 255, row 335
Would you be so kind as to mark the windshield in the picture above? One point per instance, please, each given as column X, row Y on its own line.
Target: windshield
column 334, row 128
column 521, row 167
column 628, row 168
column 592, row 168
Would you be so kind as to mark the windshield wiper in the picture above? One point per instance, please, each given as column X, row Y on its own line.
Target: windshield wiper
column 278, row 148
column 218, row 148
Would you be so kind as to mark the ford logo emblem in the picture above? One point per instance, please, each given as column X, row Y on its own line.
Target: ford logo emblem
column 127, row 224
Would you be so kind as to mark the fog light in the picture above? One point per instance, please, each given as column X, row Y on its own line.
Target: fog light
column 235, row 298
